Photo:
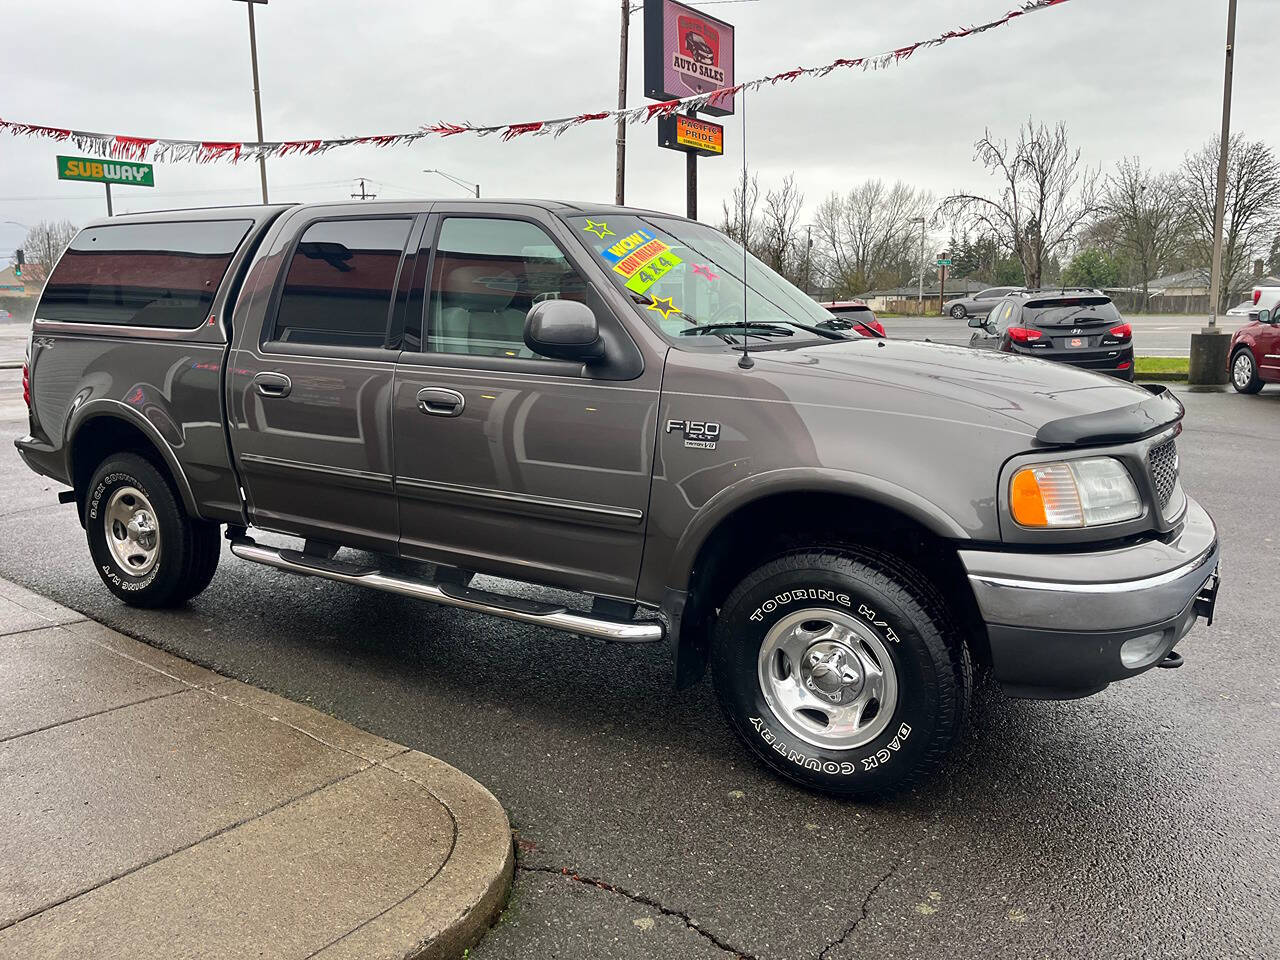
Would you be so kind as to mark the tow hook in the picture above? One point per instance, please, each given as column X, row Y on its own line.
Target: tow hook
column 1172, row 661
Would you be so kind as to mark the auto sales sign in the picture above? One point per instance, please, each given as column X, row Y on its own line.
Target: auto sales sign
column 686, row 52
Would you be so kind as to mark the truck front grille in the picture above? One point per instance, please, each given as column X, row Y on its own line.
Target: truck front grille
column 1162, row 461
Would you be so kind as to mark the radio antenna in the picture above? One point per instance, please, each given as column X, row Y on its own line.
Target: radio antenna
column 745, row 361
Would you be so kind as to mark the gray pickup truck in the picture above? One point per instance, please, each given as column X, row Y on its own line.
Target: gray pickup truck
column 591, row 398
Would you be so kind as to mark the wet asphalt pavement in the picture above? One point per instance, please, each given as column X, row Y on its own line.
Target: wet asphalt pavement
column 1142, row 822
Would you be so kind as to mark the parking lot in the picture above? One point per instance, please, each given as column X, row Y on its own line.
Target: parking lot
column 1142, row 822
column 1154, row 335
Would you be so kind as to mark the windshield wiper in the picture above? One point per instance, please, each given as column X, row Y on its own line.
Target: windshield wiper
column 828, row 334
column 759, row 329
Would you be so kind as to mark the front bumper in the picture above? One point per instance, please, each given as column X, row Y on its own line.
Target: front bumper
column 1058, row 622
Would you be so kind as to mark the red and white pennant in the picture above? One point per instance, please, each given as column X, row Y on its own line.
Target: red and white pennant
column 164, row 150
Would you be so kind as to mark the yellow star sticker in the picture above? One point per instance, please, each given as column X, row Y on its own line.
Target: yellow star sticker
column 657, row 305
column 600, row 229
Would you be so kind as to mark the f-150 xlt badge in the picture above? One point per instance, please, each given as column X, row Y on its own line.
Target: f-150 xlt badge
column 697, row 434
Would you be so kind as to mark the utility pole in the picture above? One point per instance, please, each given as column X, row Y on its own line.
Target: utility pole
column 808, row 259
column 620, row 186
column 257, row 97
column 363, row 194
column 920, row 296
column 1208, row 364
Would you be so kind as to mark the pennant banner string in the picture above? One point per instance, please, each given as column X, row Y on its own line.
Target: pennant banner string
column 162, row 150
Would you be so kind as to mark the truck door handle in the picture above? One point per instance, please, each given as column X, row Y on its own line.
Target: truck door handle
column 439, row 402
column 273, row 384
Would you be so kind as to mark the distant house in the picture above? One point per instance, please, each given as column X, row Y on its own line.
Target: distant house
column 881, row 299
column 1184, row 292
column 15, row 286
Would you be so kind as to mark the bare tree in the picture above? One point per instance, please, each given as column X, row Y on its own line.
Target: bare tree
column 1045, row 195
column 739, row 219
column 1251, row 212
column 780, row 243
column 1147, row 216
column 43, row 246
column 866, row 237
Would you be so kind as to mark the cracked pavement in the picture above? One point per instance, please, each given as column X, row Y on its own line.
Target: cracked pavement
column 1142, row 822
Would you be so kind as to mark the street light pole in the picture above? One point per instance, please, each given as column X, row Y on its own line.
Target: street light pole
column 920, row 295
column 257, row 96
column 1219, row 207
column 1208, row 360
column 465, row 184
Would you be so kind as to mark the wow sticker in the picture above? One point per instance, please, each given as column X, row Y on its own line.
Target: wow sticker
column 615, row 252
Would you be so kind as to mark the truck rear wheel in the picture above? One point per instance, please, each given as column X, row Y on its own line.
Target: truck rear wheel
column 147, row 550
column 841, row 670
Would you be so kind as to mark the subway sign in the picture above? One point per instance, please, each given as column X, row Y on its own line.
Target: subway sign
column 680, row 132
column 106, row 171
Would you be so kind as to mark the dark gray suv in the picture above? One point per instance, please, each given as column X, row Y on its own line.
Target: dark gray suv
column 612, row 401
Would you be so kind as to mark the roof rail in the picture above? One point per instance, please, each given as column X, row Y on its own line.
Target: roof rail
column 1057, row 289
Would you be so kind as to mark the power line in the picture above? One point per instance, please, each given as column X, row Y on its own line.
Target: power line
column 192, row 193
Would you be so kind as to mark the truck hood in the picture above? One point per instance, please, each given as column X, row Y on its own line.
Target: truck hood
column 1051, row 402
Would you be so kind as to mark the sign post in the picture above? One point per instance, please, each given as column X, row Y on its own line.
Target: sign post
column 687, row 52
column 944, row 261
column 106, row 172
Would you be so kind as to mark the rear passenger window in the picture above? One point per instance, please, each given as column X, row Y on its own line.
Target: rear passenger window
column 143, row 274
column 341, row 283
column 488, row 274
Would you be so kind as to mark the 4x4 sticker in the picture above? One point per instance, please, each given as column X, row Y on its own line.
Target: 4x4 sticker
column 844, row 768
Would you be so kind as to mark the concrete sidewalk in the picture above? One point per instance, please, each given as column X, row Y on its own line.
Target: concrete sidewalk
column 152, row 808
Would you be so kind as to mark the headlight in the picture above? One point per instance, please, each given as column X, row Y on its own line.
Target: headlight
column 1074, row 493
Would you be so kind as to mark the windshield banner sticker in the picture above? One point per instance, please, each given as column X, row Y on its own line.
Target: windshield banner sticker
column 642, row 259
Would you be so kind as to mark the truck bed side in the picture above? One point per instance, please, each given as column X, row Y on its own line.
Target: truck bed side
column 120, row 359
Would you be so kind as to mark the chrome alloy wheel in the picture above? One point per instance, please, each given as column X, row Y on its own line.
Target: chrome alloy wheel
column 132, row 532
column 828, row 678
column 1242, row 370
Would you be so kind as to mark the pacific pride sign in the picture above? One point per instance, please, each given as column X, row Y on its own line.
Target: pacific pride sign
column 106, row 171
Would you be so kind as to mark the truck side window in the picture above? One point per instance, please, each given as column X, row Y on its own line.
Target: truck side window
column 488, row 274
column 143, row 274
column 341, row 283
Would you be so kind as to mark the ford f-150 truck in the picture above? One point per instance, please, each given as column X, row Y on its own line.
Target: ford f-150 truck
column 591, row 398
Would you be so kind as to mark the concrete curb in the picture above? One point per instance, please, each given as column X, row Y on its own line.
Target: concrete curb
column 447, row 913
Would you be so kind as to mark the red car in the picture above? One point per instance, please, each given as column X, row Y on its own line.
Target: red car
column 1254, row 356
column 852, row 315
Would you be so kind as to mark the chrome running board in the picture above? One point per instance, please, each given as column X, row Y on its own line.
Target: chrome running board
column 450, row 595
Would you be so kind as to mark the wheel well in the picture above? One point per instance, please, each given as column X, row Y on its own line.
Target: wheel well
column 771, row 526
column 99, row 438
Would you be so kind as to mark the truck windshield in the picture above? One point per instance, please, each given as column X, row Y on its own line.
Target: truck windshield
column 686, row 280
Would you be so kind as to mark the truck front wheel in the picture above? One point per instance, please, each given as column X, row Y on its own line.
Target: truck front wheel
column 841, row 670
column 147, row 550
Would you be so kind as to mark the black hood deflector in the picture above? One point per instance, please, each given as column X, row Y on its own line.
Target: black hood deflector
column 1134, row 422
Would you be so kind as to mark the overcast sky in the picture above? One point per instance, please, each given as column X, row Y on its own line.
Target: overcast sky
column 1127, row 76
